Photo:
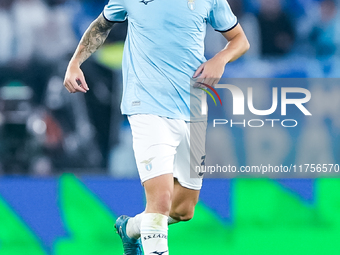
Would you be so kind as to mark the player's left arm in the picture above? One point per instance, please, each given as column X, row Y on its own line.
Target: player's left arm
column 213, row 69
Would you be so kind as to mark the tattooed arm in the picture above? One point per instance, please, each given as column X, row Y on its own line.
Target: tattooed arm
column 92, row 39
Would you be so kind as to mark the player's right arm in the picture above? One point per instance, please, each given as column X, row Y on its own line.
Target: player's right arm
column 92, row 39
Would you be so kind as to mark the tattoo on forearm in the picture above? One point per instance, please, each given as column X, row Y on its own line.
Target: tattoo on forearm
column 93, row 38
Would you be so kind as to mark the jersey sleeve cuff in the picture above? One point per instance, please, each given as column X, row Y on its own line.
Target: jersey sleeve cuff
column 223, row 31
column 111, row 20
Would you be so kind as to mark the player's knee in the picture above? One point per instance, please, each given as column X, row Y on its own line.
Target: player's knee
column 182, row 215
column 185, row 217
column 188, row 216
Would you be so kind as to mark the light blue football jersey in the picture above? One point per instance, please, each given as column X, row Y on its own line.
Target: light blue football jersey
column 163, row 49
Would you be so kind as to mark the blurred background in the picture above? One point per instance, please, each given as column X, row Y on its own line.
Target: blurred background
column 44, row 130
column 47, row 133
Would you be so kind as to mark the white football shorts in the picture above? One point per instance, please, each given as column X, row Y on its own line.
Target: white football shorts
column 163, row 146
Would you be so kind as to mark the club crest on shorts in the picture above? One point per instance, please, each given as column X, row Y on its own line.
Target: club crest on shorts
column 148, row 164
column 191, row 4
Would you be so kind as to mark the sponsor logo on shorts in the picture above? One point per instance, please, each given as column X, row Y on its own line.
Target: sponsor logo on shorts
column 148, row 164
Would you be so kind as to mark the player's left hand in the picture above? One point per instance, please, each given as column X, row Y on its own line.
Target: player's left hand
column 211, row 71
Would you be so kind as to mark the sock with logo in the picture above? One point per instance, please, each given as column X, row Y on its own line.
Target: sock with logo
column 154, row 234
column 133, row 226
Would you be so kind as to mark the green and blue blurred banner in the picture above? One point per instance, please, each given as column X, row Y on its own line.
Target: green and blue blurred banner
column 68, row 215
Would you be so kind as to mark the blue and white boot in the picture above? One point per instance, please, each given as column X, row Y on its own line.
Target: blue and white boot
column 131, row 246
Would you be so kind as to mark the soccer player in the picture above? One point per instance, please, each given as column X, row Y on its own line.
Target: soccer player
column 163, row 51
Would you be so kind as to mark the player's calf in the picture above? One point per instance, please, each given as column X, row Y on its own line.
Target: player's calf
column 183, row 202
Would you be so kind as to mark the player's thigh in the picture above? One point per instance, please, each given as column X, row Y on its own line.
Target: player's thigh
column 154, row 144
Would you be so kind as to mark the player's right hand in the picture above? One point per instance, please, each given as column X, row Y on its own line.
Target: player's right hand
column 74, row 79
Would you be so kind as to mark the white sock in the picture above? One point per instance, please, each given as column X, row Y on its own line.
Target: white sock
column 172, row 221
column 154, row 234
column 133, row 226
